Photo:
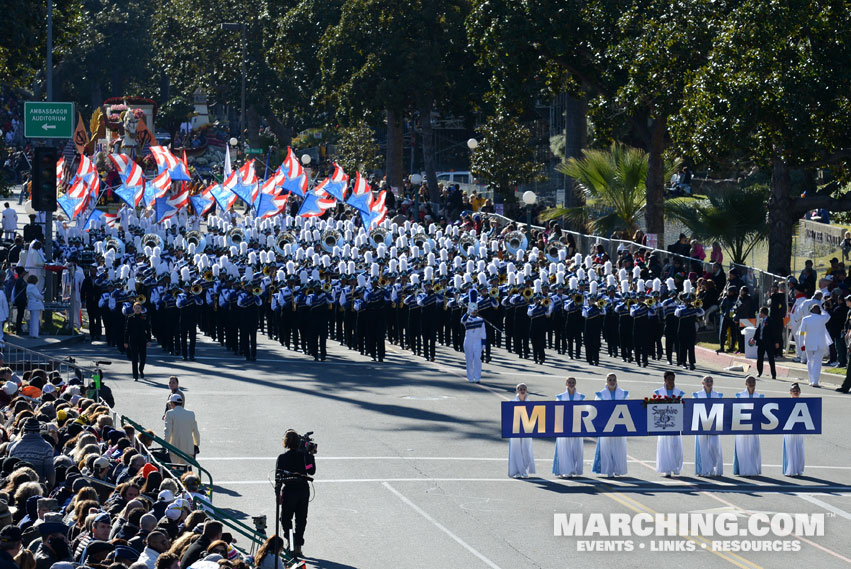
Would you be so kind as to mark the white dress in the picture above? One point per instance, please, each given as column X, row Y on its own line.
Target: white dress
column 610, row 455
column 473, row 337
column 669, row 448
column 793, row 455
column 747, row 459
column 708, row 458
column 567, row 460
column 521, row 459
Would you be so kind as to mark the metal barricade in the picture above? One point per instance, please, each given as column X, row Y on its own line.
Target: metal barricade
column 22, row 359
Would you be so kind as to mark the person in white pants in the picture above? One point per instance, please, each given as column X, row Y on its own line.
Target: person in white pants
column 4, row 315
column 35, row 304
column 474, row 336
column 816, row 341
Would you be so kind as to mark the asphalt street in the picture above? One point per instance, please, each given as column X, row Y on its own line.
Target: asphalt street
column 412, row 472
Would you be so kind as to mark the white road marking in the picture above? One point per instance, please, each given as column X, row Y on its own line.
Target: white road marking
column 441, row 527
column 830, row 508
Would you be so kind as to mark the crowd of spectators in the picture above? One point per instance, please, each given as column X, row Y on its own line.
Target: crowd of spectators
column 75, row 491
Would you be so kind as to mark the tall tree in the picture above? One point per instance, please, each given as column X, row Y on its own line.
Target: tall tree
column 778, row 95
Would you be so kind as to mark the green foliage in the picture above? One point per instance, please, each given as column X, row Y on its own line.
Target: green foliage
column 504, row 156
column 173, row 112
column 614, row 184
column 357, row 150
column 734, row 217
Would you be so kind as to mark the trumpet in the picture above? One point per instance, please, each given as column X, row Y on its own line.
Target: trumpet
column 528, row 293
column 196, row 289
column 141, row 299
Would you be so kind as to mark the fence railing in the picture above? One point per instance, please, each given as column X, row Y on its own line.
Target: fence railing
column 21, row 359
column 758, row 281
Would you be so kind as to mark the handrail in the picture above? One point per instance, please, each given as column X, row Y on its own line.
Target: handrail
column 190, row 460
column 14, row 356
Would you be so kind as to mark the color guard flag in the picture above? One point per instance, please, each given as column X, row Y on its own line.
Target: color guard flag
column 166, row 161
column 316, row 203
column 296, row 178
column 270, row 205
column 224, row 197
column 163, row 209
column 201, row 204
column 336, row 184
column 361, row 196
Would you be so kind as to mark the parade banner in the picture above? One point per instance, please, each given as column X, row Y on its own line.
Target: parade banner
column 637, row 418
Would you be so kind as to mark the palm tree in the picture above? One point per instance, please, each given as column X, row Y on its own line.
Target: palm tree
column 614, row 185
column 734, row 217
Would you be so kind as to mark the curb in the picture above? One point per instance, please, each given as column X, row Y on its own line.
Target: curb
column 784, row 373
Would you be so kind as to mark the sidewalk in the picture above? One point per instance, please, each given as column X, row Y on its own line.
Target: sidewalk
column 787, row 370
column 43, row 342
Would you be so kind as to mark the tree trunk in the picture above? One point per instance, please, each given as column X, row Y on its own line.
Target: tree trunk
column 283, row 132
column 575, row 137
column 252, row 125
column 781, row 219
column 97, row 95
column 654, row 213
column 428, row 153
column 393, row 161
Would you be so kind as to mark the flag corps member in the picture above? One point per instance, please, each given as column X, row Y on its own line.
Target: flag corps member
column 708, row 459
column 610, row 456
column 669, row 448
column 474, row 338
column 568, row 454
column 521, row 459
column 793, row 445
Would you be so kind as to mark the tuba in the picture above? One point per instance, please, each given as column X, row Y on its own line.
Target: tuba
column 282, row 241
column 115, row 244
column 235, row 236
column 330, row 238
column 465, row 243
column 553, row 249
column 419, row 240
column 152, row 240
column 199, row 240
column 378, row 236
column 515, row 241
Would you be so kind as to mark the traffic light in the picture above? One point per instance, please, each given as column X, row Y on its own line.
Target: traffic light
column 44, row 179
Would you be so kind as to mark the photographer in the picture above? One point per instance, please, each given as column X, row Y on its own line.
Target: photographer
column 292, row 469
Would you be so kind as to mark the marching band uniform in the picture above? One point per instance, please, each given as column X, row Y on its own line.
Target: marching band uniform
column 594, row 317
column 641, row 331
column 474, row 327
column 708, row 458
column 610, row 454
column 747, row 458
column 669, row 448
column 537, row 315
column 625, row 329
column 568, row 457
column 574, row 326
column 137, row 334
column 188, row 307
column 687, row 330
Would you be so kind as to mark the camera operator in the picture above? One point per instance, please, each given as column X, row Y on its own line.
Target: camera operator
column 292, row 470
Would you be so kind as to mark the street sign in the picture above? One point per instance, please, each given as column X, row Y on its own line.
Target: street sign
column 48, row 120
column 254, row 151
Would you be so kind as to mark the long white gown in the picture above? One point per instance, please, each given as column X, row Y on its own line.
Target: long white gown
column 567, row 460
column 474, row 334
column 669, row 448
column 521, row 459
column 610, row 455
column 747, row 459
column 708, row 457
column 793, row 455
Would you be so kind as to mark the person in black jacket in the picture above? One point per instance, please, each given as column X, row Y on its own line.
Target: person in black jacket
column 744, row 310
column 10, row 545
column 90, row 293
column 292, row 468
column 766, row 340
column 776, row 314
column 137, row 336
column 19, row 300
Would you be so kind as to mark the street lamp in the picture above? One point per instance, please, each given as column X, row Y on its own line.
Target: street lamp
column 240, row 27
column 529, row 198
column 305, row 158
column 472, row 144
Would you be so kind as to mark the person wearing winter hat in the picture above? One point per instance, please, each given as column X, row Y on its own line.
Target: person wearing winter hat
column 35, row 450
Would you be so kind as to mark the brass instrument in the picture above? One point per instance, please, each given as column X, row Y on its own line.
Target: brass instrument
column 553, row 250
column 283, row 240
column 515, row 241
column 208, row 276
column 698, row 303
column 503, row 279
column 378, row 236
column 465, row 243
column 420, row 239
column 235, row 236
column 257, row 291
column 494, row 292
column 309, row 291
column 629, row 302
column 196, row 289
column 546, row 302
column 528, row 293
column 198, row 239
column 601, row 303
column 383, row 281
column 175, row 293
column 141, row 299
column 116, row 245
column 650, row 302
column 552, row 279
column 152, row 240
column 330, row 239
column 578, row 299
column 267, row 270
column 438, row 288
column 326, row 287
